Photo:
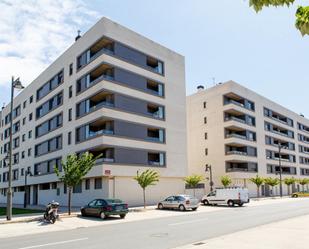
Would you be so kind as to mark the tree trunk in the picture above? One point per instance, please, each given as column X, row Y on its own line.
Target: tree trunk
column 303, row 187
column 258, row 191
column 288, row 189
column 144, row 196
column 69, row 200
column 194, row 192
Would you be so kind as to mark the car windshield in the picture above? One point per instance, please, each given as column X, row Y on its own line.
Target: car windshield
column 113, row 201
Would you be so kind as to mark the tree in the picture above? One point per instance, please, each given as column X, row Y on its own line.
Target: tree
column 145, row 179
column 193, row 180
column 74, row 169
column 289, row 182
column 258, row 181
column 226, row 180
column 303, row 182
column 271, row 182
column 302, row 13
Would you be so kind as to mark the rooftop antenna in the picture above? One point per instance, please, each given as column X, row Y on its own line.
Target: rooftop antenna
column 3, row 105
column 214, row 81
column 78, row 35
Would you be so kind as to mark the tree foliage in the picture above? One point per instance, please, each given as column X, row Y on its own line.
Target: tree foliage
column 74, row 169
column 226, row 180
column 145, row 179
column 271, row 181
column 258, row 181
column 193, row 180
column 302, row 13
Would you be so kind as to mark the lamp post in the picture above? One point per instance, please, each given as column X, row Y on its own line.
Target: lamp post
column 28, row 172
column 15, row 84
column 280, row 168
column 208, row 168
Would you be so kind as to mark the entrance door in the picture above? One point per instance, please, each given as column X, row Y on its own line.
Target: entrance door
column 35, row 195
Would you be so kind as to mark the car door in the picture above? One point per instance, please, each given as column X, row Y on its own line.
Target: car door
column 99, row 206
column 168, row 202
column 177, row 201
column 211, row 197
column 91, row 208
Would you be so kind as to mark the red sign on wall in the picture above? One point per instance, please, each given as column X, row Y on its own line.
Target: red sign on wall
column 107, row 172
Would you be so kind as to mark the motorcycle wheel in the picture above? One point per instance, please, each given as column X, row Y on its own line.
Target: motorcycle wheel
column 53, row 220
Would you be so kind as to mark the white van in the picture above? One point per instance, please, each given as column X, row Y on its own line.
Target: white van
column 227, row 196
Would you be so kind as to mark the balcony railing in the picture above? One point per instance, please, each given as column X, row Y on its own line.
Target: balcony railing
column 236, row 152
column 236, row 136
column 235, row 119
column 231, row 101
column 100, row 132
column 106, row 160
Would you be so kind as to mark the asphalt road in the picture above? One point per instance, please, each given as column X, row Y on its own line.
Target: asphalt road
column 161, row 233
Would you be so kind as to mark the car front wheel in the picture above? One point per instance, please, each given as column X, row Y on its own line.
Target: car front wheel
column 206, row 202
column 160, row 206
column 194, row 209
column 295, row 196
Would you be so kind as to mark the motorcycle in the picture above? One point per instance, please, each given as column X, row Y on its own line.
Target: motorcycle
column 51, row 212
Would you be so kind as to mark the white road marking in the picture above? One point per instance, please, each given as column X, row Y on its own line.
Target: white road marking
column 55, row 243
column 187, row 222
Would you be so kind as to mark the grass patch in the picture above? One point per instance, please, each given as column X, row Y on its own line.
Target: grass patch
column 19, row 211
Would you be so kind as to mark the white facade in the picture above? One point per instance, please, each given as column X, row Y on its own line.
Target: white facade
column 119, row 94
column 237, row 132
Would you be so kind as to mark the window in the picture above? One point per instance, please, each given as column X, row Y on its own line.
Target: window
column 48, row 146
column 206, row 151
column 71, row 69
column 69, row 137
column 29, row 152
column 24, row 104
column 49, row 125
column 77, row 188
column 205, row 104
column 30, row 116
column 16, row 158
column 22, row 172
column 53, row 185
column 205, row 120
column 30, row 134
column 70, row 114
column 49, row 105
column 45, row 186
column 16, row 142
column 206, row 135
column 50, row 85
column 70, row 92
column 87, row 184
column 23, row 137
column 98, row 183
column 31, row 99
column 23, row 154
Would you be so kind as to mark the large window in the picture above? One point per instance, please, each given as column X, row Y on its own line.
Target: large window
column 49, row 105
column 49, row 125
column 48, row 146
column 50, row 85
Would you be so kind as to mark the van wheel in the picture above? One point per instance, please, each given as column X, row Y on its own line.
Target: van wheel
column 206, row 202
column 230, row 203
column 240, row 204
column 182, row 208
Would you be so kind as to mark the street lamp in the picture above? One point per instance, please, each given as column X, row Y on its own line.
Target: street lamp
column 208, row 168
column 15, row 84
column 28, row 172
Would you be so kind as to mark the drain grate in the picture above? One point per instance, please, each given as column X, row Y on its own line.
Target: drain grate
column 199, row 243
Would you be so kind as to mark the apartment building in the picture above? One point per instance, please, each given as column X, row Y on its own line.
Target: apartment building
column 237, row 132
column 114, row 93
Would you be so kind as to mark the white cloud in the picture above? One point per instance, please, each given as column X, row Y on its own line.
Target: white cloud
column 33, row 33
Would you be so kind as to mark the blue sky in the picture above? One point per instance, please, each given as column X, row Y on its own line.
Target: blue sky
column 222, row 39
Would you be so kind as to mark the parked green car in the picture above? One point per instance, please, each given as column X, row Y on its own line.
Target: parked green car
column 105, row 207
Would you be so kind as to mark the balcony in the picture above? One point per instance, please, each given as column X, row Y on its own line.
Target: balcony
column 154, row 65
column 106, row 154
column 155, row 134
column 102, row 72
column 239, row 166
column 274, row 155
column 236, row 132
column 279, row 130
column 234, row 115
column 95, row 102
column 232, row 98
column 156, row 159
column 241, row 150
column 155, row 111
column 155, row 87
column 104, row 45
column 97, row 128
column 278, row 117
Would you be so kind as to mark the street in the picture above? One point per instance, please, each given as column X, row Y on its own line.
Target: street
column 166, row 232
